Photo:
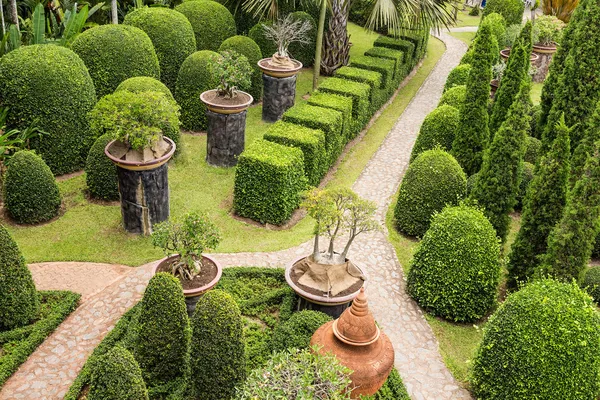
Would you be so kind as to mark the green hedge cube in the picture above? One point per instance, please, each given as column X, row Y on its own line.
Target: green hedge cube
column 390, row 54
column 385, row 67
column 342, row 104
column 418, row 39
column 405, row 46
column 360, row 93
column 379, row 93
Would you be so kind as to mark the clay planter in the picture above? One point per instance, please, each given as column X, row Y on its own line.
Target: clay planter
column 494, row 85
column 279, row 86
column 143, row 189
column 541, row 49
column 226, row 127
column 277, row 72
column 193, row 294
column 545, row 54
column 332, row 306
column 506, row 53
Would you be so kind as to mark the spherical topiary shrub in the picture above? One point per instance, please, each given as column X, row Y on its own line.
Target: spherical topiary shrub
column 532, row 149
column 433, row 180
column 455, row 270
column 297, row 331
column 454, row 97
column 19, row 303
column 247, row 47
column 161, row 345
column 100, row 172
column 171, row 34
column 141, row 84
column 218, row 360
column 31, row 194
column 113, row 53
column 267, row 46
column 50, row 87
column 542, row 343
column 304, row 52
column 437, row 130
column 458, row 76
column 212, row 22
column 591, row 282
column 117, row 376
column 526, row 178
column 195, row 76
column 511, row 10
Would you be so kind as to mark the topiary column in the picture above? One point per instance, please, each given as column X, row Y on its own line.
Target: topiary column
column 117, row 376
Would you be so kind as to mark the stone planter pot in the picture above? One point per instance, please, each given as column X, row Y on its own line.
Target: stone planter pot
column 279, row 88
column 226, row 127
column 332, row 306
column 143, row 189
column 193, row 295
column 506, row 53
column 545, row 54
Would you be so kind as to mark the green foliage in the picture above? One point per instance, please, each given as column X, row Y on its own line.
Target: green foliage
column 358, row 92
column 406, row 46
column 541, row 343
column 591, row 283
column 304, row 52
column 392, row 389
column 458, row 76
column 433, row 180
column 233, row 72
column 547, row 30
column 100, row 172
column 390, row 54
column 339, row 103
column 379, row 93
column 248, row 48
column 218, row 362
column 268, row 181
column 384, row 66
column 511, row 10
column 50, row 85
column 497, row 25
column 171, row 34
column 526, row 36
column 438, row 129
column 532, row 149
column 117, row 377
column 455, row 270
column 471, row 183
column 31, row 194
column 454, row 97
column 257, row 33
column 113, row 53
column 585, row 147
column 474, row 11
column 297, row 331
column 141, row 84
column 212, row 23
column 536, row 112
column 526, row 179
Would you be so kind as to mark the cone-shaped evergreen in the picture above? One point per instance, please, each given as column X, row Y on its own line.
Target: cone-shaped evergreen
column 498, row 183
column 526, row 37
column 542, row 209
column 585, row 146
column 473, row 132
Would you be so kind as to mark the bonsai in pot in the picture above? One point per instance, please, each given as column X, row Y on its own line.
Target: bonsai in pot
column 327, row 280
column 547, row 32
column 184, row 240
column 226, row 109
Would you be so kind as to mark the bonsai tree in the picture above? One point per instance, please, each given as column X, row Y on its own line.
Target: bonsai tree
column 285, row 32
column 233, row 72
column 547, row 30
column 188, row 237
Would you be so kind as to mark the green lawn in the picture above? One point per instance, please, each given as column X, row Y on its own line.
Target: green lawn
column 464, row 19
column 536, row 92
column 466, row 37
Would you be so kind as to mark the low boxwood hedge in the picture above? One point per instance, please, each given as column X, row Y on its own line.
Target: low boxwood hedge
column 212, row 22
column 342, row 104
column 390, row 54
column 117, row 376
column 454, row 97
column 100, row 172
column 438, row 130
column 384, row 66
column 407, row 47
column 419, row 39
column 358, row 92
column 458, row 76
column 379, row 93
column 297, row 331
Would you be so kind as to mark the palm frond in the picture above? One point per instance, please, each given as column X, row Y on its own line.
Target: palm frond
column 398, row 15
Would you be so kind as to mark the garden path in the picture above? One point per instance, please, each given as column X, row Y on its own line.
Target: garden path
column 48, row 373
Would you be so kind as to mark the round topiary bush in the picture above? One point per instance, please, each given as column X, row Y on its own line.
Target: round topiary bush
column 437, row 130
column 511, row 10
column 541, row 343
column 454, row 97
column 31, row 194
column 100, row 172
column 117, row 376
column 458, row 76
column 113, row 53
column 297, row 331
column 50, row 87
column 267, row 46
column 591, row 282
column 218, row 360
column 497, row 25
column 247, row 47
column 526, row 178
column 304, row 52
column 195, row 76
column 532, row 149
column 171, row 34
column 212, row 22
column 19, row 303
column 455, row 271
column 141, row 84
column 433, row 180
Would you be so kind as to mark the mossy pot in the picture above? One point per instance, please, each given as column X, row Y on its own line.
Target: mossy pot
column 221, row 105
column 277, row 72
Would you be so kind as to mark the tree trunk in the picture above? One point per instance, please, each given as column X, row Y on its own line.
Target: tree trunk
column 13, row 13
column 2, row 16
column 319, row 44
column 316, row 249
column 113, row 12
column 337, row 43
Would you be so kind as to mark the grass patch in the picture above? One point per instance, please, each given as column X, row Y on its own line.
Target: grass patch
column 464, row 19
column 536, row 92
column 466, row 37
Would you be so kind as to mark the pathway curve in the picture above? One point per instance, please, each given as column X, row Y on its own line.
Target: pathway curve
column 48, row 373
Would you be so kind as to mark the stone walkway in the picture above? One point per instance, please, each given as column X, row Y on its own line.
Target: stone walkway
column 111, row 290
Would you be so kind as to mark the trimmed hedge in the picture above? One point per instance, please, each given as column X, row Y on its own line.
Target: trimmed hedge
column 310, row 141
column 340, row 103
column 100, row 172
column 117, row 377
column 419, row 39
column 433, row 180
column 113, row 53
column 458, row 76
column 362, row 109
column 390, row 54
column 511, row 10
column 212, row 22
column 141, row 84
column 542, row 343
column 50, row 85
column 533, row 149
column 385, row 67
column 247, row 47
column 31, row 194
column 526, row 178
column 171, row 34
column 297, row 331
column 591, row 283
column 268, row 180
column 379, row 93
column 438, row 129
column 407, row 47
column 304, row 52
column 454, row 97
column 257, row 33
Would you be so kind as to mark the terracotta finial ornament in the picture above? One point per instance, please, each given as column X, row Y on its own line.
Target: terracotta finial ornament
column 356, row 326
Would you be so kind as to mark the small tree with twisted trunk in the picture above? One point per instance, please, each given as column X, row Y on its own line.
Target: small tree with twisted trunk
column 285, row 32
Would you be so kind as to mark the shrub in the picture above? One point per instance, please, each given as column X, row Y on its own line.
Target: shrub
column 433, row 180
column 117, row 376
column 392, row 389
column 171, row 34
column 437, row 130
column 497, row 25
column 532, row 149
column 304, row 52
column 31, row 194
column 511, row 10
column 218, row 361
column 454, row 97
column 474, row 11
column 458, row 76
column 526, row 178
column 212, row 23
column 268, row 180
column 51, row 87
column 358, row 92
column 536, row 112
column 113, row 53
column 455, row 270
column 471, row 183
column 141, row 84
column 297, row 331
column 385, row 67
column 547, row 29
column 19, row 303
column 340, row 103
column 379, row 93
column 248, row 48
column 419, row 39
column 407, row 47
column 100, row 172
column 267, row 46
column 591, row 282
column 541, row 343
column 390, row 54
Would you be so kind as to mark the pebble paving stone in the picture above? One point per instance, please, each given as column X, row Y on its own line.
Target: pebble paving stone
column 48, row 373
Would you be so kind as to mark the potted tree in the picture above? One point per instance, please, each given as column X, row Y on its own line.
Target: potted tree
column 184, row 240
column 327, row 280
column 226, row 109
column 547, row 32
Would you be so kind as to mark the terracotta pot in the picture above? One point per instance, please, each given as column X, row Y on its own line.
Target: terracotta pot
column 278, row 72
column 505, row 54
column 141, row 166
column 494, row 85
column 541, row 49
column 219, row 104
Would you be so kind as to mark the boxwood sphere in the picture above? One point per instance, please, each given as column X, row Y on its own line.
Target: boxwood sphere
column 267, row 46
column 438, row 130
column 433, row 180
column 458, row 76
column 31, row 194
column 297, row 331
column 454, row 97
column 100, row 172
column 51, row 86
column 591, row 282
column 542, row 343
column 511, row 10
column 247, row 47
column 140, row 84
column 113, row 53
column 455, row 270
column 117, row 376
column 171, row 34
column 212, row 22
column 304, row 52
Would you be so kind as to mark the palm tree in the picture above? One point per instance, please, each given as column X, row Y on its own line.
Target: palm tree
column 336, row 43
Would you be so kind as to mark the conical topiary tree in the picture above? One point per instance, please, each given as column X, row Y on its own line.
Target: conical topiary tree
column 117, row 376
column 585, row 146
column 526, row 37
column 19, row 303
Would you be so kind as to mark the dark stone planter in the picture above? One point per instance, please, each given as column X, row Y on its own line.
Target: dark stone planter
column 225, row 138
column 545, row 54
column 279, row 95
